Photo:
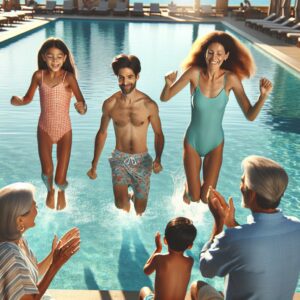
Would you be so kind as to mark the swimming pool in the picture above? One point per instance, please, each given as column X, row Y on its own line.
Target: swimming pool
column 115, row 245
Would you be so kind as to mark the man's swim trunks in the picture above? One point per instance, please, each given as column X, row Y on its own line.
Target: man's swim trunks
column 205, row 131
column 132, row 169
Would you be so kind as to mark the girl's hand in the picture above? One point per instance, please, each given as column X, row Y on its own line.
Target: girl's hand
column 81, row 107
column 170, row 78
column 265, row 86
column 17, row 101
column 158, row 242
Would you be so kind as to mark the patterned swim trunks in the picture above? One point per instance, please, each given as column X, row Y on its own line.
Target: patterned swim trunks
column 132, row 170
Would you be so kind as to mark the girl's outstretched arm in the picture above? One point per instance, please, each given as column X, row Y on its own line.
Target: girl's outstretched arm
column 173, row 86
column 250, row 111
column 80, row 105
column 15, row 100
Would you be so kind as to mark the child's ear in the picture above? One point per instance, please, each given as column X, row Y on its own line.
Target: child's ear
column 165, row 241
column 190, row 246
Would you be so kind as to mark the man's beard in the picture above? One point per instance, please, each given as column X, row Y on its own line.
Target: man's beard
column 127, row 91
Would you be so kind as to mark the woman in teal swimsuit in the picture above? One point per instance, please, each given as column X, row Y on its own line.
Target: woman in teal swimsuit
column 215, row 65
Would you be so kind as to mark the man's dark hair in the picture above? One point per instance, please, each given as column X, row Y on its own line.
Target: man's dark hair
column 126, row 61
column 180, row 233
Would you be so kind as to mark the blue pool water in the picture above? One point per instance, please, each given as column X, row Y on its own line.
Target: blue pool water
column 116, row 245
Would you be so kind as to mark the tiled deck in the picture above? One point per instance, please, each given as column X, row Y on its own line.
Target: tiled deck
column 287, row 53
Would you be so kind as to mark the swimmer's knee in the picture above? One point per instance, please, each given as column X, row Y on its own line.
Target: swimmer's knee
column 47, row 171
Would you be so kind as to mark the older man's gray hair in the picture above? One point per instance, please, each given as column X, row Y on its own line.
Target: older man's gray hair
column 15, row 200
column 265, row 177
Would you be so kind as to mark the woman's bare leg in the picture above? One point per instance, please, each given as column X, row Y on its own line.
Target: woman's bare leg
column 64, row 146
column 211, row 168
column 192, row 166
column 45, row 153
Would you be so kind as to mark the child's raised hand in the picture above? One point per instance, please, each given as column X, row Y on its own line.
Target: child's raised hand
column 158, row 242
column 17, row 101
column 81, row 107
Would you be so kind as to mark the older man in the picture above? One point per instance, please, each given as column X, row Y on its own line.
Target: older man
column 260, row 260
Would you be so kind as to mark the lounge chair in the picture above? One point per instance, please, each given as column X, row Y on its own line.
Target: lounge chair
column 120, row 9
column 29, row 11
column 270, row 17
column 3, row 21
column 154, row 9
column 259, row 23
column 102, row 8
column 284, row 31
column 285, row 24
column 207, row 10
column 138, row 9
column 68, row 7
column 11, row 17
column 172, row 9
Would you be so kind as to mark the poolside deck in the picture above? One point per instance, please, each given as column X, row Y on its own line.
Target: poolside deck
column 288, row 54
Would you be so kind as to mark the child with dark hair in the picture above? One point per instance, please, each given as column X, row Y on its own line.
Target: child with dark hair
column 173, row 270
column 57, row 83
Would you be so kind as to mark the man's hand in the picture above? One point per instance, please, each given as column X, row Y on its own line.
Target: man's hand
column 157, row 167
column 226, row 211
column 92, row 173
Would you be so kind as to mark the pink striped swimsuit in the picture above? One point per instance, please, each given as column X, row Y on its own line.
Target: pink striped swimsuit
column 55, row 103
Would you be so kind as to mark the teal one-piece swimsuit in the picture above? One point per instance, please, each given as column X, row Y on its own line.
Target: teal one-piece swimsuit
column 205, row 131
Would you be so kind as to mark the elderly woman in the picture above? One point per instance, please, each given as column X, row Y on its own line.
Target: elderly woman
column 216, row 65
column 19, row 269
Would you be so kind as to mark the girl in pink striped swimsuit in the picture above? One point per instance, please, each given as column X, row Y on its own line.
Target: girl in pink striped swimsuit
column 57, row 83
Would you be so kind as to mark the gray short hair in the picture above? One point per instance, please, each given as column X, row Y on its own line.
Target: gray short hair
column 265, row 177
column 15, row 200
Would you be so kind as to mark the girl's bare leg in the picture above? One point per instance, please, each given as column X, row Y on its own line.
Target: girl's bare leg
column 64, row 146
column 45, row 153
column 192, row 166
column 211, row 168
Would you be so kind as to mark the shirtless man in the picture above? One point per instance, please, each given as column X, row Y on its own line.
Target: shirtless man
column 173, row 270
column 131, row 111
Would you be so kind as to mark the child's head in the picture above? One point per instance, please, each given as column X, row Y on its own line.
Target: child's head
column 54, row 43
column 180, row 234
